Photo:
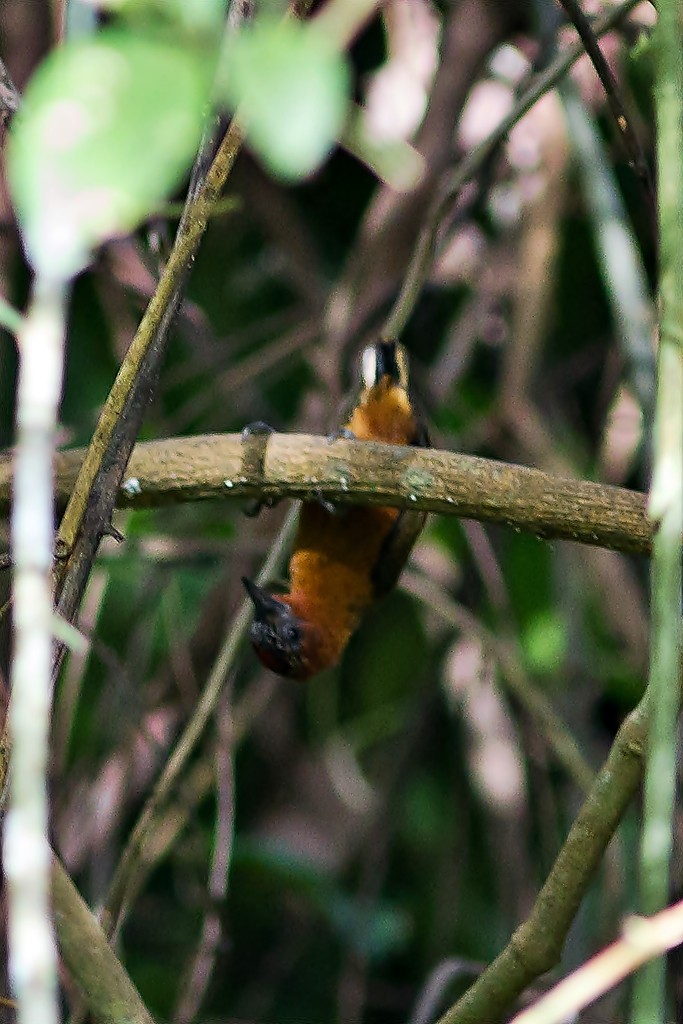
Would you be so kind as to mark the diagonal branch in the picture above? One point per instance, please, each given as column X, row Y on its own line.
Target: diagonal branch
column 627, row 133
column 112, row 996
column 537, row 944
column 92, row 499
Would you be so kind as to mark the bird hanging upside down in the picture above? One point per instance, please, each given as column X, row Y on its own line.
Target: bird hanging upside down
column 343, row 561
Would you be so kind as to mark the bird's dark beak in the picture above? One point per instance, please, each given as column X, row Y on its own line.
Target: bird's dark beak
column 265, row 605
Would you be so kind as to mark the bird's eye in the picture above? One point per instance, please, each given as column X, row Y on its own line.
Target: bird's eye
column 290, row 634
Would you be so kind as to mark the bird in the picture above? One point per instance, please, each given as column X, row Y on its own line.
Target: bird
column 343, row 560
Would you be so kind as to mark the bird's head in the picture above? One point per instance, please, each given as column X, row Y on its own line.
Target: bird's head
column 284, row 642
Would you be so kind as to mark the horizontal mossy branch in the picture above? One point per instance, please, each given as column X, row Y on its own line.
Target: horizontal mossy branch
column 298, row 466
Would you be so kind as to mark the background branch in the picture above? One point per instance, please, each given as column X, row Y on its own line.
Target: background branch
column 624, row 122
column 130, row 862
column 110, row 994
column 537, row 944
column 423, row 253
column 643, row 938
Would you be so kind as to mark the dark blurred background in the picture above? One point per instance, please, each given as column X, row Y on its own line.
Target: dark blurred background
column 335, row 846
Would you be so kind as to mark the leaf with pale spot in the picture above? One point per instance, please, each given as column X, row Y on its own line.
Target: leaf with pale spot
column 106, row 131
column 291, row 88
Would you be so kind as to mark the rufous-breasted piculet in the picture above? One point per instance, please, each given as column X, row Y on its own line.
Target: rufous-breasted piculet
column 343, row 560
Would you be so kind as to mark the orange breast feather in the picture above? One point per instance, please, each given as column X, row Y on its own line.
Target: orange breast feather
column 342, row 562
column 335, row 556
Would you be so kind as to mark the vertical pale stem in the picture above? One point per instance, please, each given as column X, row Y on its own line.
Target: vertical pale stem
column 666, row 505
column 26, row 854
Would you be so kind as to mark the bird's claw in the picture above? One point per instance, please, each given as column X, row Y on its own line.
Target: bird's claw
column 330, row 507
column 342, row 432
column 254, row 508
column 258, row 428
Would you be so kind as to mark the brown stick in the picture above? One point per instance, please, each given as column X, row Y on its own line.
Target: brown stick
column 298, row 466
column 109, row 993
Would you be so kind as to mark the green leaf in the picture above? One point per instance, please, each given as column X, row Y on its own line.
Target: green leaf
column 395, row 161
column 291, row 88
column 375, row 931
column 546, row 641
column 106, row 131
column 194, row 15
column 10, row 318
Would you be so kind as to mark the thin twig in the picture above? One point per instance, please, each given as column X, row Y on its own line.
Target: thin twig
column 124, row 876
column 621, row 262
column 535, row 703
column 203, row 962
column 438, row 981
column 90, row 507
column 627, row 133
column 169, row 823
column 642, row 940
